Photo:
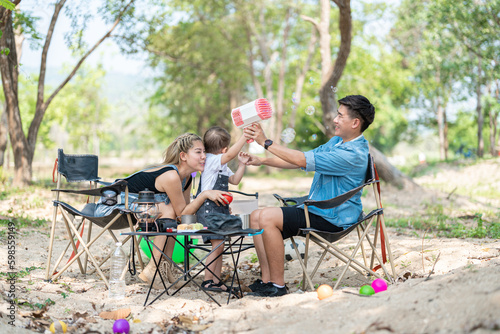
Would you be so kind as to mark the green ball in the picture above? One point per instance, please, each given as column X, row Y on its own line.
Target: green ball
column 144, row 246
column 178, row 254
column 366, row 290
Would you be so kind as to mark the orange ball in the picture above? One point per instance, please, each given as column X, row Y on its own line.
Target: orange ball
column 324, row 291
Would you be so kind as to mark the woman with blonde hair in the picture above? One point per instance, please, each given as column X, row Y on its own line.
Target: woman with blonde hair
column 171, row 183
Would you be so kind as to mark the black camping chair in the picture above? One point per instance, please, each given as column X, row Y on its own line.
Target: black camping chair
column 326, row 240
column 83, row 168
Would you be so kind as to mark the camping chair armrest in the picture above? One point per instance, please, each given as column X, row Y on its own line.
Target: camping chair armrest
column 334, row 236
column 118, row 187
column 256, row 195
column 336, row 201
column 290, row 201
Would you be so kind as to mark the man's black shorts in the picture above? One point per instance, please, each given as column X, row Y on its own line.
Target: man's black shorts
column 294, row 218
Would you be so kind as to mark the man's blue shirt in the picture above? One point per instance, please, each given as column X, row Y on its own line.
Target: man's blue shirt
column 339, row 167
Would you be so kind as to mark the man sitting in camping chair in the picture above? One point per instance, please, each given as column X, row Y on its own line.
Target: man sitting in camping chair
column 339, row 165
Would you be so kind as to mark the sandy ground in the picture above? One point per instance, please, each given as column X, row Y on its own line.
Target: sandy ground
column 461, row 294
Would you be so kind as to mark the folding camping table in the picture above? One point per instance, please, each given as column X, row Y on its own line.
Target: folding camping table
column 189, row 273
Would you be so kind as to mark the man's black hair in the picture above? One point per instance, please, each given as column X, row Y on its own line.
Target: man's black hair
column 359, row 107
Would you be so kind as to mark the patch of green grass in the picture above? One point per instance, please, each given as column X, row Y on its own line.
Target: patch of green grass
column 22, row 221
column 19, row 274
column 435, row 221
column 48, row 302
column 253, row 258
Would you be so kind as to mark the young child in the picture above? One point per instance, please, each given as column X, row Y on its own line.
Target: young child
column 216, row 176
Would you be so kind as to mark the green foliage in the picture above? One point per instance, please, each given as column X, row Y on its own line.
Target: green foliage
column 253, row 258
column 27, row 104
column 201, row 69
column 48, row 302
column 81, row 110
column 440, row 43
column 7, row 4
column 463, row 133
column 25, row 22
column 19, row 274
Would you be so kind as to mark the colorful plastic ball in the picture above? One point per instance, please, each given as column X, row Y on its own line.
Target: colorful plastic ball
column 144, row 246
column 58, row 327
column 121, row 326
column 324, row 291
column 366, row 290
column 229, row 198
column 379, row 285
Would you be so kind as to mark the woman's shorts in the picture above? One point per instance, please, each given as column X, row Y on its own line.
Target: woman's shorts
column 104, row 210
column 294, row 219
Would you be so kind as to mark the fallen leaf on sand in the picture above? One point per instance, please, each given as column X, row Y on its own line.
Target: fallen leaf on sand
column 116, row 314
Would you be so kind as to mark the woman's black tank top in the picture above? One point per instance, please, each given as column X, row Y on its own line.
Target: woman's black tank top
column 142, row 180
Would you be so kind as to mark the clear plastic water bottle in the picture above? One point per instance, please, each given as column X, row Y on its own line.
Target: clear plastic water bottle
column 116, row 283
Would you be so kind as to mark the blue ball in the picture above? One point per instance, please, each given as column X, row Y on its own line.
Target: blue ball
column 121, row 326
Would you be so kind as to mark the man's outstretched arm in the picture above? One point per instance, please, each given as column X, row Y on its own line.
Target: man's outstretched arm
column 284, row 156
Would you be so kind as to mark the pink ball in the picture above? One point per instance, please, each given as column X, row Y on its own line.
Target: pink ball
column 379, row 285
column 121, row 326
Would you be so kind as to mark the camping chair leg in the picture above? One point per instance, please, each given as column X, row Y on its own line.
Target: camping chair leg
column 53, row 228
column 89, row 236
column 375, row 239
column 362, row 246
column 382, row 221
column 69, row 222
column 111, row 252
column 338, row 254
column 306, row 252
column 51, row 242
column 351, row 258
column 375, row 254
column 103, row 261
column 64, row 252
column 82, row 242
column 388, row 246
column 380, row 224
column 88, row 245
column 306, row 258
column 135, row 242
column 304, row 268
column 318, row 263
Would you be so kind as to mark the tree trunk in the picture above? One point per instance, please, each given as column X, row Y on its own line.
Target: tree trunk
column 9, row 72
column 389, row 173
column 4, row 135
column 331, row 76
column 299, row 82
column 479, row 111
column 22, row 147
column 281, row 80
column 4, row 127
column 445, row 133
column 440, row 123
column 327, row 94
column 493, row 116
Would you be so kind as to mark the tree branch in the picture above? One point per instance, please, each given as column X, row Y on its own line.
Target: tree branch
column 43, row 64
column 41, row 105
column 310, row 19
column 80, row 62
column 256, row 83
